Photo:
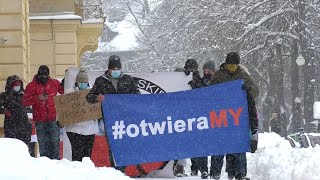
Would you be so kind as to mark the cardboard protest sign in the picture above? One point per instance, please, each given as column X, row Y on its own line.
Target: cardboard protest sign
column 73, row 108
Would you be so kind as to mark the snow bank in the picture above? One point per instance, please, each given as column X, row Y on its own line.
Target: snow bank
column 276, row 159
column 16, row 163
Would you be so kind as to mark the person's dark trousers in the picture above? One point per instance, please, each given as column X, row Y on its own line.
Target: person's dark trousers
column 202, row 163
column 32, row 149
column 216, row 165
column 231, row 164
column 48, row 134
column 240, row 165
column 81, row 145
column 194, row 165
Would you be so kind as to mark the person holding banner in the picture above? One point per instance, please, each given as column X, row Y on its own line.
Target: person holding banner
column 39, row 94
column 81, row 135
column 113, row 81
column 209, row 68
column 229, row 71
column 191, row 65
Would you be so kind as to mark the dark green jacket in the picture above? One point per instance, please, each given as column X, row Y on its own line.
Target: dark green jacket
column 223, row 75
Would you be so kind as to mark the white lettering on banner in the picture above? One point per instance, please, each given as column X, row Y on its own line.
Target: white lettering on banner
column 143, row 126
column 156, row 128
column 179, row 126
column 169, row 124
column 135, row 128
column 190, row 121
column 202, row 123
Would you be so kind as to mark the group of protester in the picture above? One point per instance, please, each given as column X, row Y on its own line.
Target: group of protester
column 40, row 92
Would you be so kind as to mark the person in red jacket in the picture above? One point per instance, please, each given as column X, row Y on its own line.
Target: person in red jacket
column 39, row 94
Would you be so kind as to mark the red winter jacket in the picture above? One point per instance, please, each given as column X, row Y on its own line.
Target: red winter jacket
column 43, row 111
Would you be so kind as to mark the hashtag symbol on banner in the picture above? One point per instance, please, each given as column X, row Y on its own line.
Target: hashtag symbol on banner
column 118, row 130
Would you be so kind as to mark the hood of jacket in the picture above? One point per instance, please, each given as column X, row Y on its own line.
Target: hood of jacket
column 9, row 82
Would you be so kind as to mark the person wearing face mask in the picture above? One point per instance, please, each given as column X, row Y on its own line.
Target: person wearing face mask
column 113, row 81
column 209, row 68
column 16, row 122
column 229, row 71
column 81, row 135
column 39, row 94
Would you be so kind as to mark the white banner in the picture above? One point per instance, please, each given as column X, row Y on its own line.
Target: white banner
column 157, row 82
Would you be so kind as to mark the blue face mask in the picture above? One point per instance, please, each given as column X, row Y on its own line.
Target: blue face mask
column 83, row 86
column 16, row 88
column 115, row 73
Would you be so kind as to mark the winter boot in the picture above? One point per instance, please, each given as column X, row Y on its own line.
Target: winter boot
column 179, row 171
column 204, row 175
column 230, row 177
column 243, row 178
column 215, row 177
column 194, row 173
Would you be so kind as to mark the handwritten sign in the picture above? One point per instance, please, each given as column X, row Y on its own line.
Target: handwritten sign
column 73, row 108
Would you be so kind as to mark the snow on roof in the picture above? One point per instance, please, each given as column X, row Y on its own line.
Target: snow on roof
column 57, row 16
column 92, row 21
column 316, row 110
column 126, row 39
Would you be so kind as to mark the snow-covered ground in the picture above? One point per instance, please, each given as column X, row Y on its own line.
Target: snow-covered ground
column 274, row 160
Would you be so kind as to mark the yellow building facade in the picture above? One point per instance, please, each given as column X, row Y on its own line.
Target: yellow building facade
column 43, row 32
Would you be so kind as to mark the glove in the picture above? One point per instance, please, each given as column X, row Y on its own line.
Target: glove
column 246, row 87
column 254, row 141
column 186, row 72
column 193, row 84
column 253, row 146
column 206, row 81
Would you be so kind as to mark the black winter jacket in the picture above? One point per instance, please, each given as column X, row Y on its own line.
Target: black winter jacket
column 16, row 124
column 196, row 81
column 103, row 85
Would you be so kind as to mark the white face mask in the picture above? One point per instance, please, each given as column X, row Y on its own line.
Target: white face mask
column 16, row 88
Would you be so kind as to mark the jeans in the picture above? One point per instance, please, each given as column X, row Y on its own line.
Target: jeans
column 48, row 134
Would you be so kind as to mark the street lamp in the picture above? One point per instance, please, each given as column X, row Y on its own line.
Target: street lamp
column 300, row 62
column 312, row 82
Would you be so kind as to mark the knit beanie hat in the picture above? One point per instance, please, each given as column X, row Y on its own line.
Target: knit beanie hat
column 233, row 58
column 191, row 64
column 82, row 76
column 211, row 65
column 114, row 62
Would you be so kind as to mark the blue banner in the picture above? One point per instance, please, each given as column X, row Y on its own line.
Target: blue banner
column 207, row 121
